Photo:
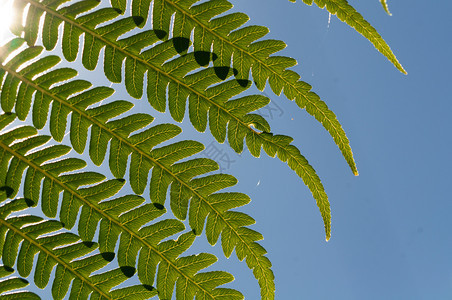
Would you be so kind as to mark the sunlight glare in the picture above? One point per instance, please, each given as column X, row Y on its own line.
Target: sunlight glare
column 5, row 20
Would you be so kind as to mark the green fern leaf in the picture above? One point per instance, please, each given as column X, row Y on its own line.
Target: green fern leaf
column 121, row 218
column 180, row 86
column 348, row 14
column 24, row 237
column 163, row 160
column 123, row 143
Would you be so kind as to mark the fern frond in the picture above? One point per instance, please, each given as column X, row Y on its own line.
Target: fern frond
column 205, row 101
column 205, row 203
column 9, row 286
column 163, row 161
column 348, row 14
column 385, row 7
column 23, row 237
column 230, row 41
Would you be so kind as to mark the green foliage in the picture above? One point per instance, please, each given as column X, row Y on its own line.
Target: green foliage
column 208, row 95
column 196, row 55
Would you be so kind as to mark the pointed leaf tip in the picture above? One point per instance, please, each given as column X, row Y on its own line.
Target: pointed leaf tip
column 328, row 230
column 385, row 7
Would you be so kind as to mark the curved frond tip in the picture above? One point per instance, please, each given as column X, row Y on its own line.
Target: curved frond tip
column 348, row 14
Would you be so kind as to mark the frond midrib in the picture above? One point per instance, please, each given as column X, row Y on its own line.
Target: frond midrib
column 51, row 254
column 136, row 149
column 100, row 211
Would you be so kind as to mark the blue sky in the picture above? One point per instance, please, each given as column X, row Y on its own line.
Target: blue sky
column 390, row 236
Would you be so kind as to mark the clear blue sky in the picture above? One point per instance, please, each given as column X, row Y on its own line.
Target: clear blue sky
column 390, row 225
